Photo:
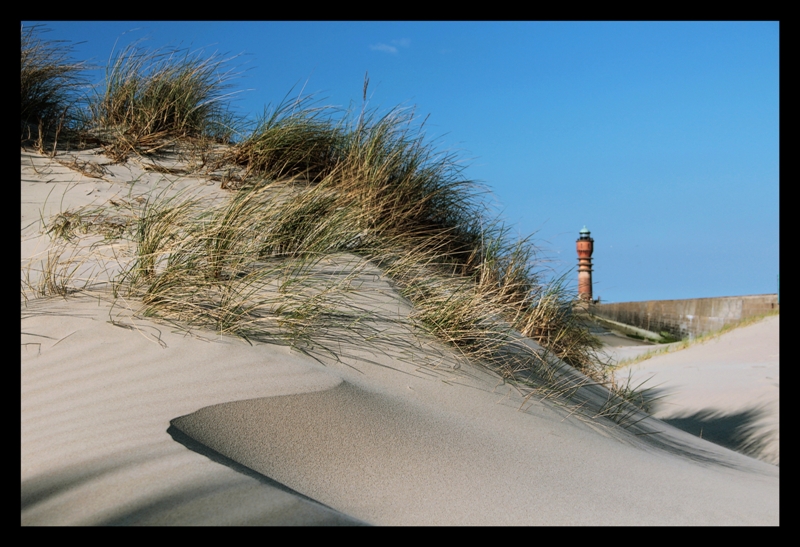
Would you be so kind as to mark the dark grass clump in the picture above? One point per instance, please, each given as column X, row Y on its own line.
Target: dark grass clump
column 410, row 189
column 153, row 98
column 294, row 139
column 381, row 164
column 49, row 86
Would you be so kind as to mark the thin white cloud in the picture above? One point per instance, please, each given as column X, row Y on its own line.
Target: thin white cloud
column 383, row 47
column 402, row 42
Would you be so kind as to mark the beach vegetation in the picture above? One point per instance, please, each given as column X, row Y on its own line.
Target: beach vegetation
column 374, row 189
column 50, row 87
column 152, row 98
column 318, row 201
column 668, row 337
column 293, row 139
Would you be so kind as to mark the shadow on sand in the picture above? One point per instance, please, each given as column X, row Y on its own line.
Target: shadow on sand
column 738, row 431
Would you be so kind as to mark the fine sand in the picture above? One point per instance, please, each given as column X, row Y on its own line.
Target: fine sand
column 129, row 421
column 725, row 389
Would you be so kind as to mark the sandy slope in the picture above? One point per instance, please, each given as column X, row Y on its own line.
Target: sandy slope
column 127, row 421
column 725, row 389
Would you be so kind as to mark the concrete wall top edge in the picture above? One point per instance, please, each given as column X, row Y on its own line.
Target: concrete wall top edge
column 689, row 316
column 686, row 299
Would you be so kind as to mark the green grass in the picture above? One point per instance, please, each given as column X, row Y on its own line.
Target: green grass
column 668, row 338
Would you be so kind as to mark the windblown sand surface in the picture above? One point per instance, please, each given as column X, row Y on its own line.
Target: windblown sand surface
column 129, row 421
column 725, row 389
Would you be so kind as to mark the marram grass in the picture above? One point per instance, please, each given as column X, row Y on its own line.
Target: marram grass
column 50, row 83
column 149, row 92
column 314, row 185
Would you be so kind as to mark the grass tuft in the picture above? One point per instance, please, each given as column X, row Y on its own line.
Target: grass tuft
column 294, row 139
column 152, row 98
column 49, row 84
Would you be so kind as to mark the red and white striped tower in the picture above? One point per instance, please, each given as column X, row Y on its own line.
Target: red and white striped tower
column 585, row 247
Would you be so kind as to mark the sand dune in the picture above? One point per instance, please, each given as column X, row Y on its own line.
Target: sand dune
column 129, row 421
column 725, row 389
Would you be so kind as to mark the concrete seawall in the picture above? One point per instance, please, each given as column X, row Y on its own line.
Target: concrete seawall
column 690, row 317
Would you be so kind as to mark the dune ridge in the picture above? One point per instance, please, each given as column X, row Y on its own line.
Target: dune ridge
column 418, row 436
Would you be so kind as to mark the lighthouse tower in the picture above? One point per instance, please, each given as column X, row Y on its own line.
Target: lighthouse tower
column 585, row 247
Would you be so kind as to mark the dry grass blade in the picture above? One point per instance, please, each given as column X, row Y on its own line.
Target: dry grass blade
column 64, row 270
column 49, row 81
column 626, row 401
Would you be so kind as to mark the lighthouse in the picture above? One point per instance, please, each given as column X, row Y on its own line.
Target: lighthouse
column 585, row 246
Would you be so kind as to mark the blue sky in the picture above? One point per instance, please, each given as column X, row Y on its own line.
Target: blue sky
column 661, row 137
